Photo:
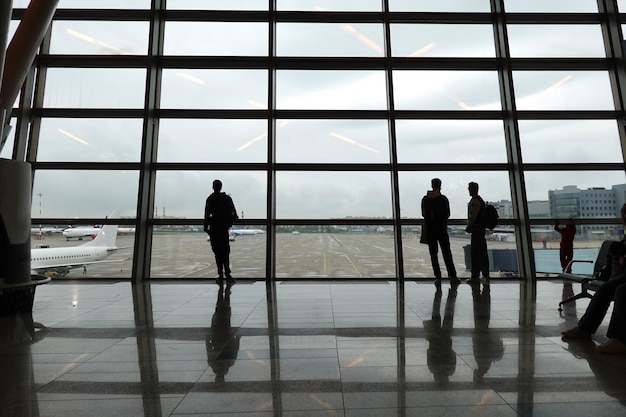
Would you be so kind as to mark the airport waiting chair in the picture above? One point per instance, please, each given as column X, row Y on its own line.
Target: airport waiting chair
column 588, row 282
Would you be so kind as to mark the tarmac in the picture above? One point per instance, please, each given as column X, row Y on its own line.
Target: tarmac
column 299, row 256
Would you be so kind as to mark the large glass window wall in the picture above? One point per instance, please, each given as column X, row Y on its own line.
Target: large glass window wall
column 326, row 121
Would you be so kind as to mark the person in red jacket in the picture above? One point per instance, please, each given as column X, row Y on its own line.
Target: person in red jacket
column 566, row 252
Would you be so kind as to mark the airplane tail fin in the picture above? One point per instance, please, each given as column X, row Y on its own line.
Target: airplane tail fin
column 107, row 235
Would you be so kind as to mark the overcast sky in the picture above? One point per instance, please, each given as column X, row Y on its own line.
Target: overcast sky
column 325, row 194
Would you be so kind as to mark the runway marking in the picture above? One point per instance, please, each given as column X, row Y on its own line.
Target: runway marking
column 353, row 265
column 324, row 271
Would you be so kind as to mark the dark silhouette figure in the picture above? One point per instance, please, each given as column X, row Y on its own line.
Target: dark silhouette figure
column 612, row 290
column 475, row 226
column 440, row 356
column 566, row 251
column 219, row 215
column 436, row 211
column 487, row 345
column 222, row 344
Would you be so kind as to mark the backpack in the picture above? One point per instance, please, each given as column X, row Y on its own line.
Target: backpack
column 490, row 217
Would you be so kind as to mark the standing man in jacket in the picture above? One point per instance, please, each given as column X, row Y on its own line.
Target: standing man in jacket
column 219, row 215
column 436, row 211
column 475, row 226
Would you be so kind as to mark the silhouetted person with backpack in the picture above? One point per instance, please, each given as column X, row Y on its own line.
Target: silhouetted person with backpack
column 476, row 226
column 436, row 211
column 219, row 215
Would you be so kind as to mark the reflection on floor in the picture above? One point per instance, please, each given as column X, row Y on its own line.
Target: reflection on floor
column 303, row 349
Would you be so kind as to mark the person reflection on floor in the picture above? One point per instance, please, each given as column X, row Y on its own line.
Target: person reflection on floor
column 487, row 345
column 222, row 344
column 440, row 356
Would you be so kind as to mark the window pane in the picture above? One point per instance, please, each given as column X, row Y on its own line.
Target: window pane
column 580, row 6
column 108, row 38
column 556, row 41
column 185, row 252
column 7, row 150
column 82, row 193
column 584, row 194
column 446, row 90
column 182, row 194
column 212, row 140
column 562, row 90
column 320, row 252
column 329, row 39
column 331, row 90
column 117, row 264
column 214, row 89
column 450, row 141
column 217, row 4
column 104, row 4
column 587, row 242
column 439, row 6
column 90, row 140
column 329, row 5
column 317, row 195
column 95, row 87
column 501, row 249
column 216, row 38
column 332, row 141
column 563, row 141
column 493, row 187
column 442, row 40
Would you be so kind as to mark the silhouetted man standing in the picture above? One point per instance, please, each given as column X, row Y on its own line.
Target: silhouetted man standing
column 475, row 226
column 219, row 215
column 436, row 211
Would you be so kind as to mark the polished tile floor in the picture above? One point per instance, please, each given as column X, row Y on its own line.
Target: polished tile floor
column 304, row 349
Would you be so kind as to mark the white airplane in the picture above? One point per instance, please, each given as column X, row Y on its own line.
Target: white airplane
column 81, row 232
column 46, row 261
column 239, row 232
column 40, row 231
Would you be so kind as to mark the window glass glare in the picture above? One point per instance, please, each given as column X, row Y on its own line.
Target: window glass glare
column 434, row 40
column 330, row 90
column 329, row 39
column 336, row 195
column 554, row 6
column 214, row 89
column 450, row 141
column 555, row 41
column 212, row 140
column 83, row 193
column 95, row 88
column 216, row 38
column 439, row 6
column 570, row 141
column 217, row 5
column 330, row 5
column 493, row 186
column 332, row 141
column 95, row 38
column 562, row 90
column 90, row 140
column 446, row 90
column 182, row 194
